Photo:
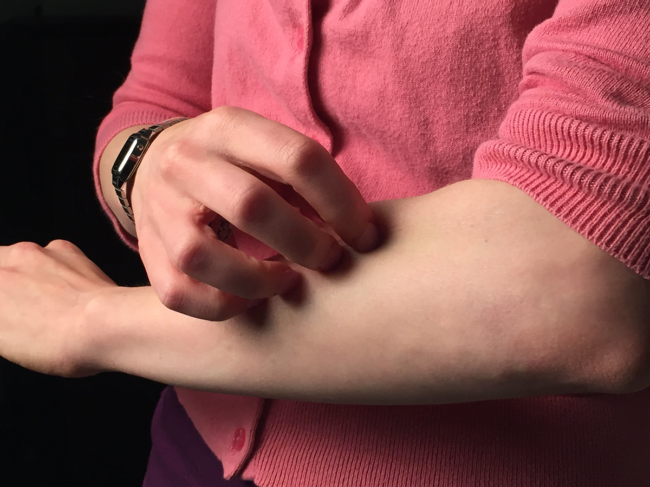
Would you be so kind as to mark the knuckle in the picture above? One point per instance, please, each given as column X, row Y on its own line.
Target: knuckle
column 301, row 157
column 222, row 118
column 188, row 256
column 171, row 295
column 63, row 245
column 25, row 249
column 250, row 206
column 174, row 157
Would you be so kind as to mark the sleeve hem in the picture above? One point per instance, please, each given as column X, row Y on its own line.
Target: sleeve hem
column 588, row 177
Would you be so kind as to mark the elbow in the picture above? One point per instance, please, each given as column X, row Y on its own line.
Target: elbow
column 613, row 334
column 615, row 359
column 599, row 344
column 622, row 368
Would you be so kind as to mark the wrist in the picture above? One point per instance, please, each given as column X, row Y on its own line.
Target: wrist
column 128, row 330
column 104, row 317
column 129, row 159
column 105, row 177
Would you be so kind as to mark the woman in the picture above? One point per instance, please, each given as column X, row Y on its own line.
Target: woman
column 483, row 322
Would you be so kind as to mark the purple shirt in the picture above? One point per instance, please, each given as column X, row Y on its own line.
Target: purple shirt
column 179, row 456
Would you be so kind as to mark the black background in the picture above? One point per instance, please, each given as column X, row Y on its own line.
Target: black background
column 58, row 71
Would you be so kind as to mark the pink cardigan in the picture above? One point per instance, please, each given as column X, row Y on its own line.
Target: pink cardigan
column 410, row 96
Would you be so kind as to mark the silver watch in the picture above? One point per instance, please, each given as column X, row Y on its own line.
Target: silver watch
column 130, row 158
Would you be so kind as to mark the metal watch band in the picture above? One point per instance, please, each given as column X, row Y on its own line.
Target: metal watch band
column 130, row 158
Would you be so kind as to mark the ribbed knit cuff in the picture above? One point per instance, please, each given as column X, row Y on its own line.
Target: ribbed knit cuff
column 595, row 180
column 122, row 117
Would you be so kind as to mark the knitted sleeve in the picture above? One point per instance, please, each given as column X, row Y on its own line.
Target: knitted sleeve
column 577, row 139
column 171, row 75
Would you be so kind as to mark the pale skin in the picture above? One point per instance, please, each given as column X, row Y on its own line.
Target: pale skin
column 477, row 293
column 230, row 163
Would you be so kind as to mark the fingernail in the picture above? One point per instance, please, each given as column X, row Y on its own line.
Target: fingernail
column 254, row 302
column 288, row 280
column 369, row 239
column 333, row 258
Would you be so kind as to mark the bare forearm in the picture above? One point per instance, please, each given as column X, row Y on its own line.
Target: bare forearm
column 464, row 302
column 106, row 163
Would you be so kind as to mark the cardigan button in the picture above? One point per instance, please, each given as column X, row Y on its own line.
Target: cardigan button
column 238, row 440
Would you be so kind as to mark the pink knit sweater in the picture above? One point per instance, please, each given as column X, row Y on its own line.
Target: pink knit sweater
column 410, row 96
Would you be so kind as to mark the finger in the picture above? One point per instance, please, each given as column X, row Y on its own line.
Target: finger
column 195, row 250
column 183, row 294
column 257, row 210
column 20, row 254
column 284, row 154
column 223, row 230
column 71, row 255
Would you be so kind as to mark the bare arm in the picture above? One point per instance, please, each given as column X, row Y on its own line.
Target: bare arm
column 478, row 293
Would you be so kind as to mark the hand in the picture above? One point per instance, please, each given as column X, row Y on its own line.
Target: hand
column 230, row 163
column 43, row 294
